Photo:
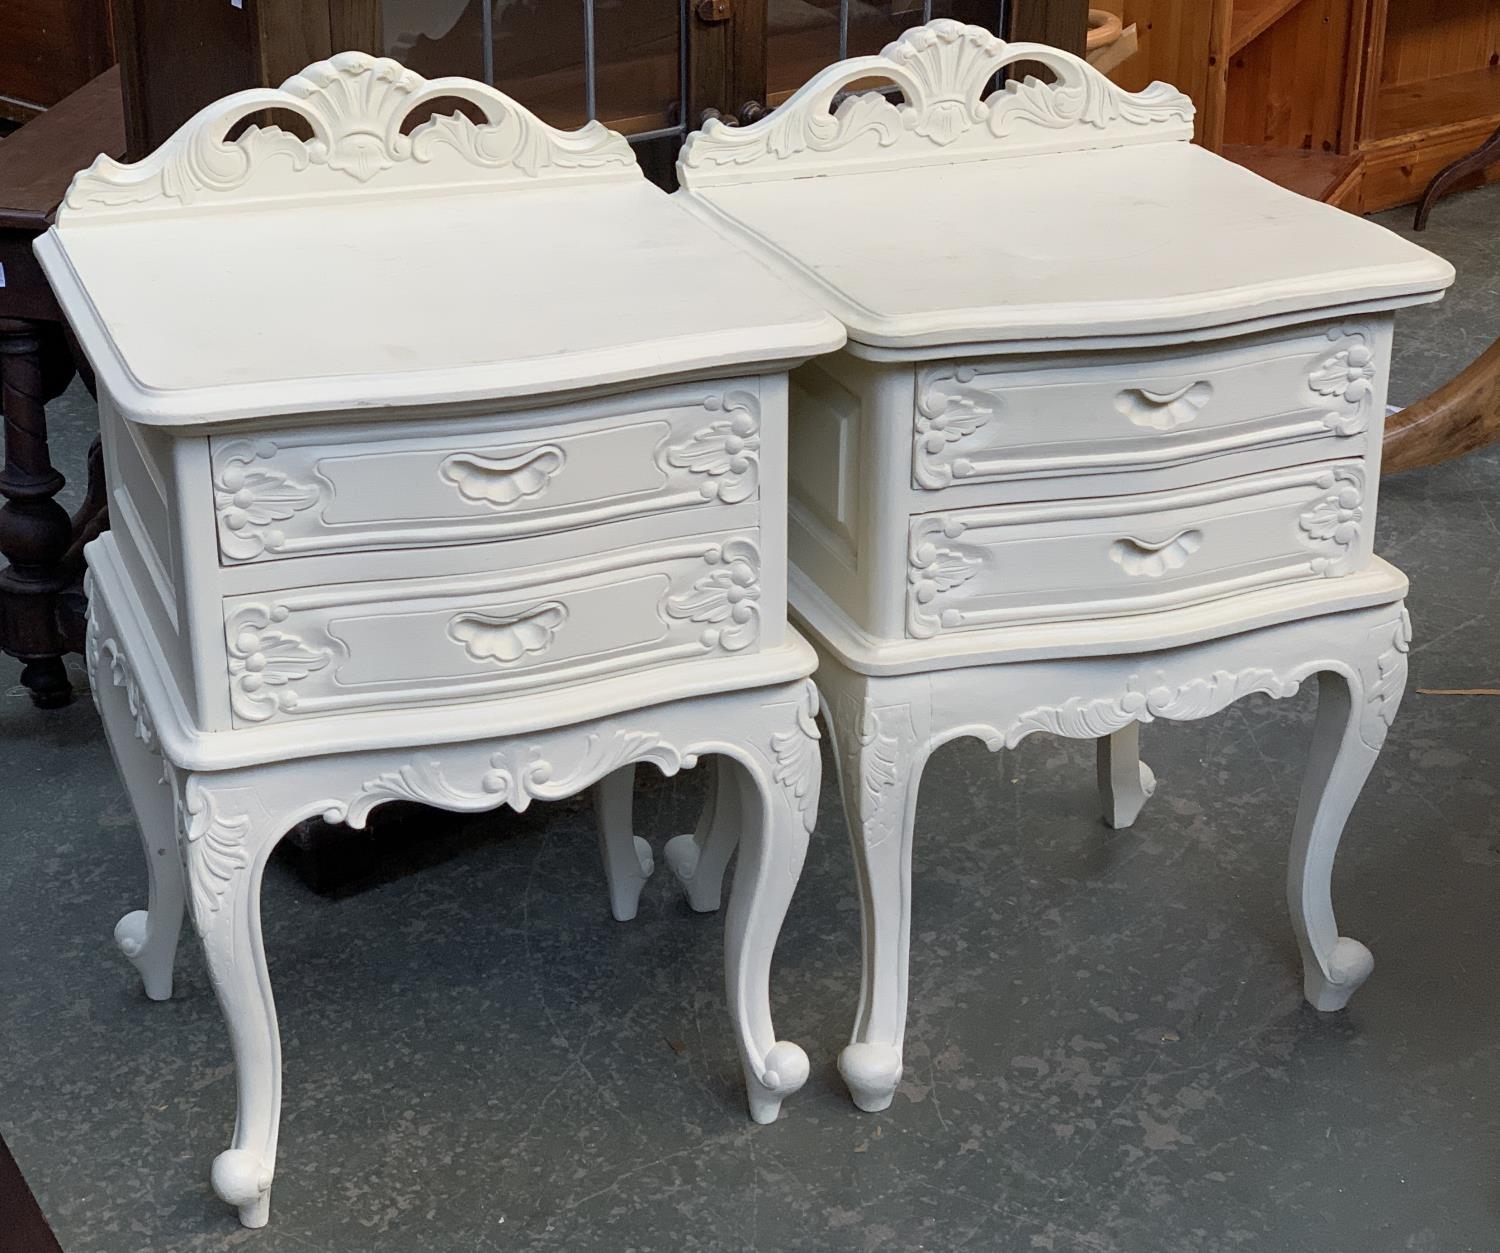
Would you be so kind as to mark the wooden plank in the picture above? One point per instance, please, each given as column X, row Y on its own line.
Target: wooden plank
column 1398, row 169
column 38, row 162
column 1324, row 176
column 1253, row 18
column 1288, row 88
column 1408, row 109
column 1061, row 23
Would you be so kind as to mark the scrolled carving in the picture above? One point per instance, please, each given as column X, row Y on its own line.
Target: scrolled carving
column 355, row 105
column 1346, row 377
column 726, row 599
column 500, row 480
column 945, row 415
column 1333, row 521
column 249, row 499
column 936, row 564
column 505, row 638
column 1092, row 719
column 725, row 454
column 266, row 660
column 99, row 653
column 942, row 69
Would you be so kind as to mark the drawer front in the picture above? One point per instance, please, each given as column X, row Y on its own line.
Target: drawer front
column 988, row 421
column 312, row 651
column 970, row 569
column 351, row 489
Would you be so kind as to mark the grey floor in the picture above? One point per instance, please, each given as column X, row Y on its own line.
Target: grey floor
column 1107, row 1049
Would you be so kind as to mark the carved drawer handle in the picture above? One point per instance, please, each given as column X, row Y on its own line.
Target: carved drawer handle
column 508, row 638
column 1144, row 559
column 1164, row 411
column 502, row 481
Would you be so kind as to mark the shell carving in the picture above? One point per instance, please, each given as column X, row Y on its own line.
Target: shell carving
column 1142, row 559
column 1163, row 411
column 500, row 480
column 508, row 638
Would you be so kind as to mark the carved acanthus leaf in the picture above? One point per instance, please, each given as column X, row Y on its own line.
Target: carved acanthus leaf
column 1384, row 691
column 250, row 499
column 726, row 599
column 877, row 743
column 100, row 653
column 942, row 70
column 798, row 769
column 355, row 105
column 726, row 452
column 266, row 660
column 213, row 848
column 508, row 637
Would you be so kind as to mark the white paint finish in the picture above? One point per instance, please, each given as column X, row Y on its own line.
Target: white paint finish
column 225, row 824
column 990, row 419
column 1105, row 221
column 1115, row 445
column 985, row 567
column 443, row 470
column 358, row 487
column 313, row 652
column 884, row 730
column 370, row 269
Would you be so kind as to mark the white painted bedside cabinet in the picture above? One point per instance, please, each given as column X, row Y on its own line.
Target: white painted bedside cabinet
column 1103, row 447
column 444, row 466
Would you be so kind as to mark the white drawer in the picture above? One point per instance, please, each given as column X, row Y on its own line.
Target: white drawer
column 969, row 569
column 313, row 651
column 330, row 490
column 991, row 420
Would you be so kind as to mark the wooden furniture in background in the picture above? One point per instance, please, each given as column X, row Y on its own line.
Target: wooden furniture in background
column 48, row 50
column 1375, row 96
column 41, row 600
column 1460, row 417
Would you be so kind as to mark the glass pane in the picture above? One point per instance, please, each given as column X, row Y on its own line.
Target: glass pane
column 538, row 54
column 803, row 35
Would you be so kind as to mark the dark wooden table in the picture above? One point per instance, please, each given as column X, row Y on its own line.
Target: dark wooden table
column 41, row 599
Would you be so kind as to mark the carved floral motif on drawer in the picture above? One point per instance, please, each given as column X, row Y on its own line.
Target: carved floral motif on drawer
column 990, row 420
column 352, row 646
column 992, row 565
column 297, row 493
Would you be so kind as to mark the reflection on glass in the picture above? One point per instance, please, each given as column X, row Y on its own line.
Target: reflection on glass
column 805, row 36
column 541, row 52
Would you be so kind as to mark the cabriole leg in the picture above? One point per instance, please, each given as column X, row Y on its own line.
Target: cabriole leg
column 772, row 847
column 699, row 860
column 879, row 773
column 148, row 937
column 1125, row 781
column 1339, row 761
column 627, row 857
column 226, row 855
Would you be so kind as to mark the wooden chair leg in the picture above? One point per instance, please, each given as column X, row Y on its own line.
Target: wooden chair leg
column 1486, row 155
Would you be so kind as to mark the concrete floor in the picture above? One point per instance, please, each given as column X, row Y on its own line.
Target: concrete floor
column 1107, row 1048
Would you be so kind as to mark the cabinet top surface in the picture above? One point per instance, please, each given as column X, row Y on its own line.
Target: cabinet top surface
column 1145, row 238
column 418, row 299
